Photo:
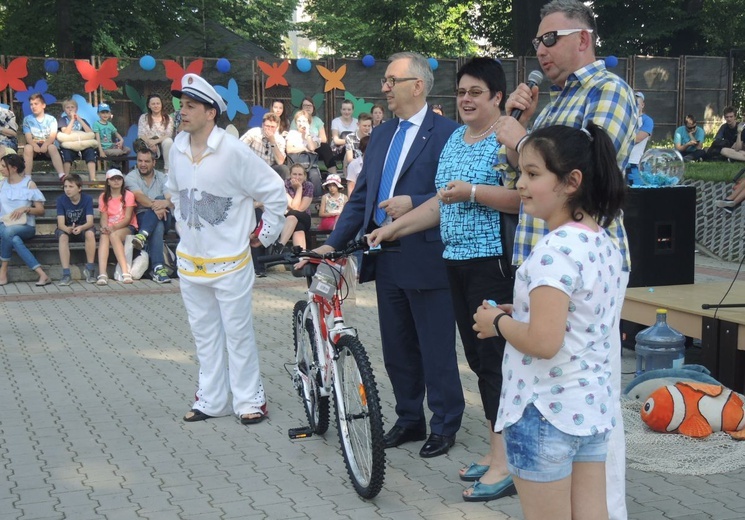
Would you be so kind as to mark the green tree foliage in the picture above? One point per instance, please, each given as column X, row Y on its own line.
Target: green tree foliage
column 435, row 28
column 81, row 28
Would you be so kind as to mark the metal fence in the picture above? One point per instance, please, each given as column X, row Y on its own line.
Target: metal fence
column 673, row 87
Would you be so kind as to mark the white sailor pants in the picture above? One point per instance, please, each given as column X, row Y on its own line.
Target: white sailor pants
column 220, row 315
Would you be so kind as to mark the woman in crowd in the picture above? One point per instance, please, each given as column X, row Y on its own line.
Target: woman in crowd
column 297, row 218
column 318, row 131
column 156, row 129
column 341, row 127
column 278, row 107
column 378, row 113
column 20, row 203
column 478, row 263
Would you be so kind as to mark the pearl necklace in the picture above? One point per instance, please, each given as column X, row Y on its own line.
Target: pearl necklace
column 488, row 130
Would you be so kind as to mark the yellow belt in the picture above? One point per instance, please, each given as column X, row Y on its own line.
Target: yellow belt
column 211, row 267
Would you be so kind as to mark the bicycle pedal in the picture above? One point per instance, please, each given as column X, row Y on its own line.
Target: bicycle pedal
column 300, row 433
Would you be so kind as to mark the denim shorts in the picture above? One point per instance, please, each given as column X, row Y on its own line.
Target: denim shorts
column 540, row 452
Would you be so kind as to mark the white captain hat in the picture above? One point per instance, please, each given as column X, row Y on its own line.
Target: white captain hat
column 196, row 87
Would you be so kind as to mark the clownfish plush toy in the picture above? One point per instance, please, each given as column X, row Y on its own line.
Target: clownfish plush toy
column 695, row 410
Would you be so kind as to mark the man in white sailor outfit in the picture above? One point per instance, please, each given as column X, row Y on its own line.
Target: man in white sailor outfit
column 213, row 181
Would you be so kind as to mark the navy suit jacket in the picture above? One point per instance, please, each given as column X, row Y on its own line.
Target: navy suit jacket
column 419, row 264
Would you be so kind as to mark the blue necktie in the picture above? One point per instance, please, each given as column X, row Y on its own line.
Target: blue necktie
column 389, row 170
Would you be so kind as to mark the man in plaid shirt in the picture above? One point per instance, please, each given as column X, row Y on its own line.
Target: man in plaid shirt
column 266, row 142
column 582, row 90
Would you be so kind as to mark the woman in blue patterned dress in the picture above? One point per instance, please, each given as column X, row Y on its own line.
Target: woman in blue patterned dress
column 467, row 208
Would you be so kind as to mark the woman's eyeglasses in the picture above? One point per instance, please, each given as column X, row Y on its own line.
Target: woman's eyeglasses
column 550, row 38
column 472, row 92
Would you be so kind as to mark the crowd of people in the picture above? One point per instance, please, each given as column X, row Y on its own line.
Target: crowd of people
column 510, row 230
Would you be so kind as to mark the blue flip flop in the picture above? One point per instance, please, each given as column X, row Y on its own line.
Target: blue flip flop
column 485, row 492
column 473, row 472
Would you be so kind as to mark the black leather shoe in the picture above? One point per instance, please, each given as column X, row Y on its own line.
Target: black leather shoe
column 436, row 445
column 397, row 436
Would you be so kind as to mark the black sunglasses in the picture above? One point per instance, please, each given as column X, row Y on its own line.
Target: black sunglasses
column 549, row 39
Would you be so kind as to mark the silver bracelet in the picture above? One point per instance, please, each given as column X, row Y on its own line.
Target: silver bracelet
column 473, row 193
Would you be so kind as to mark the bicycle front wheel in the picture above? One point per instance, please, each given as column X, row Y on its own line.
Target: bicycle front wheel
column 358, row 418
column 307, row 377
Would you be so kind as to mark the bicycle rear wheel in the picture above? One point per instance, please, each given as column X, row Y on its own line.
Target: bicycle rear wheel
column 358, row 418
column 307, row 377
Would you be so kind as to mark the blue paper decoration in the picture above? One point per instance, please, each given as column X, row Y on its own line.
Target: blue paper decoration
column 611, row 61
column 303, row 64
column 368, row 61
column 51, row 66
column 147, row 62
column 433, row 63
column 223, row 65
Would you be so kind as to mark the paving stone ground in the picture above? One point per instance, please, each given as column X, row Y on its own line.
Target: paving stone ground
column 95, row 382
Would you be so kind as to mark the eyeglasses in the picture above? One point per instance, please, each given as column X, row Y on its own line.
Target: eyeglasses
column 391, row 81
column 549, row 39
column 472, row 92
column 307, row 105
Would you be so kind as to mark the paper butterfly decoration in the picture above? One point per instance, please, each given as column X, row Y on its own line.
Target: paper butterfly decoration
column 275, row 73
column 175, row 72
column 297, row 95
column 13, row 76
column 232, row 99
column 102, row 77
column 359, row 104
column 257, row 116
column 41, row 87
column 85, row 109
column 136, row 98
column 129, row 140
column 333, row 78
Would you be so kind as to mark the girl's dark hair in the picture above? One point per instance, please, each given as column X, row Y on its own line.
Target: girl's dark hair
column 163, row 114
column 16, row 161
column 284, row 122
column 490, row 72
column 590, row 151
column 107, row 194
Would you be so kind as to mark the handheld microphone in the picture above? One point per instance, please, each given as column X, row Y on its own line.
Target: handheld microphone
column 534, row 78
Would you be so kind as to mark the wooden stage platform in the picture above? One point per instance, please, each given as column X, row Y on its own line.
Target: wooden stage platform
column 722, row 331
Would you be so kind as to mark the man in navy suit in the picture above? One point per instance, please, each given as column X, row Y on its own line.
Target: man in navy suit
column 417, row 324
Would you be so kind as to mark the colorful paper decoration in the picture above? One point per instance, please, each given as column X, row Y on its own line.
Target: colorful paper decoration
column 13, row 76
column 297, row 95
column 333, row 78
column 360, row 105
column 147, row 62
column 275, row 73
column 41, row 87
column 257, row 113
column 51, row 66
column 102, row 77
column 223, row 65
column 233, row 100
column 303, row 64
column 85, row 109
column 136, row 98
column 175, row 72
column 368, row 61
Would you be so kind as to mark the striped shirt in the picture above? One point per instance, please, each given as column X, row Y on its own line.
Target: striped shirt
column 590, row 93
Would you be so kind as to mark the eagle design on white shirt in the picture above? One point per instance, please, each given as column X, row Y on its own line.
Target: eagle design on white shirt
column 211, row 208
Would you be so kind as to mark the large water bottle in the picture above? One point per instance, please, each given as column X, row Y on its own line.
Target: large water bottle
column 659, row 346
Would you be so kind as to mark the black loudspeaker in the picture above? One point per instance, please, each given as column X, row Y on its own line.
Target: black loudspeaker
column 661, row 227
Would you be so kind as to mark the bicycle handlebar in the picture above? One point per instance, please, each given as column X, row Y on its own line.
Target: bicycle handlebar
column 356, row 245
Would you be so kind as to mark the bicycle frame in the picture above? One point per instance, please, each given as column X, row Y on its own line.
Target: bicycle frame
column 328, row 323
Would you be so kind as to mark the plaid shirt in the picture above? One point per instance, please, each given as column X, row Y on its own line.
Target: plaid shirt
column 590, row 93
column 260, row 144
